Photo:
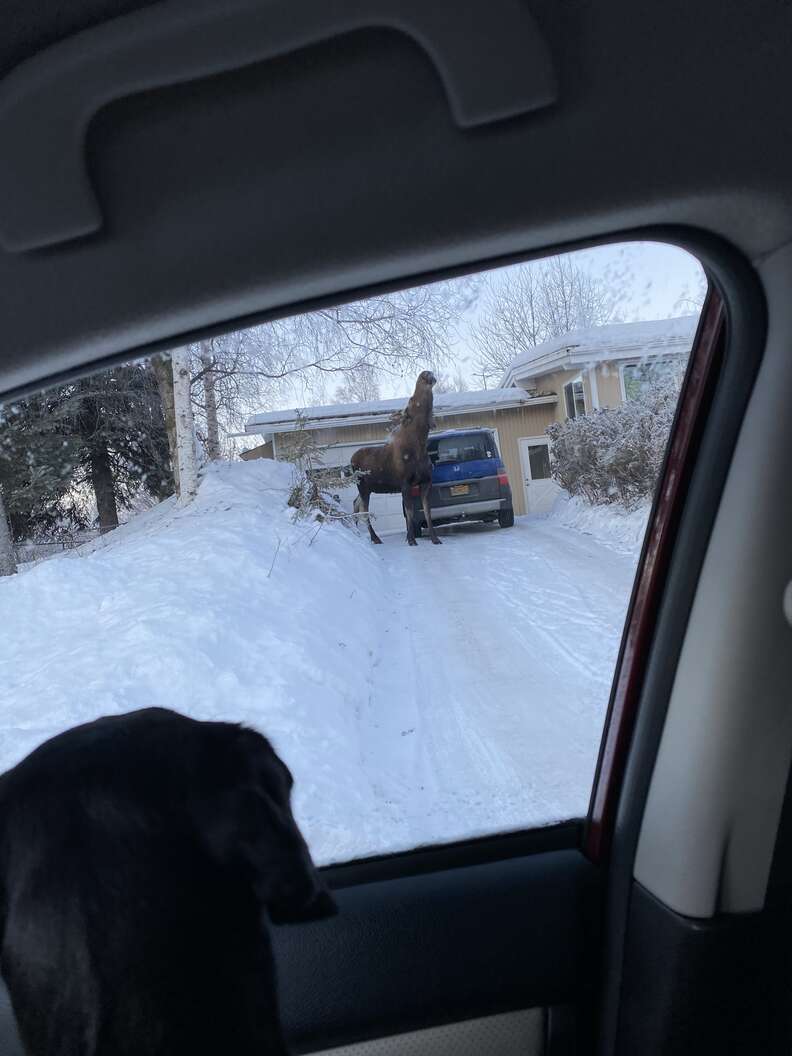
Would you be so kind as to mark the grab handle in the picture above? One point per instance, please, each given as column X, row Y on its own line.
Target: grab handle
column 489, row 54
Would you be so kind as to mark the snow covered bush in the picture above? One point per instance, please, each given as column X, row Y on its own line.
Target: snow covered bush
column 315, row 488
column 615, row 455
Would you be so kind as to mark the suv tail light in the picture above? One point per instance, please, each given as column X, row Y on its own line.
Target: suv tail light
column 416, row 491
column 503, row 478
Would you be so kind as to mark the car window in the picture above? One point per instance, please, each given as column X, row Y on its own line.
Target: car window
column 191, row 531
column 463, row 448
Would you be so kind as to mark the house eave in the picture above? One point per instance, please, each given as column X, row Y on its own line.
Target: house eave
column 578, row 356
column 268, row 429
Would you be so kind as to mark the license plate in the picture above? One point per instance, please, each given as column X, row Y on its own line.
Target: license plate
column 460, row 489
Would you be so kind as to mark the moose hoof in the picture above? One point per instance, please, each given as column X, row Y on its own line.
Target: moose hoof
column 411, row 542
column 437, row 542
column 377, row 541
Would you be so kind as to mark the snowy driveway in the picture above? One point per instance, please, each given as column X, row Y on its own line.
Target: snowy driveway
column 489, row 693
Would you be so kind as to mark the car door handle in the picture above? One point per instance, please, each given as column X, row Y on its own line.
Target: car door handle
column 489, row 54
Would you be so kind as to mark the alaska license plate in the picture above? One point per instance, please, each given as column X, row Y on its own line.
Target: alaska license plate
column 460, row 489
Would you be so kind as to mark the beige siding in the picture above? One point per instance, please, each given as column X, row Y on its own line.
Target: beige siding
column 347, row 434
column 608, row 387
column 555, row 383
column 609, row 384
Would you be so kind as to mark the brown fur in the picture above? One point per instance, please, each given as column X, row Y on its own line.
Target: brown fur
column 402, row 463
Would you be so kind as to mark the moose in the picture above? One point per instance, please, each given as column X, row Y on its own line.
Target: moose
column 402, row 464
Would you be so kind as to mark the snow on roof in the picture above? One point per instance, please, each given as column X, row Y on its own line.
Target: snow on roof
column 355, row 413
column 614, row 341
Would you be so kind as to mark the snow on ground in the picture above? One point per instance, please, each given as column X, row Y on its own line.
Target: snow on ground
column 612, row 526
column 418, row 694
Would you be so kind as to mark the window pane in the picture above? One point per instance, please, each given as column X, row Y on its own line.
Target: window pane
column 540, row 462
column 463, row 448
column 418, row 696
column 641, row 379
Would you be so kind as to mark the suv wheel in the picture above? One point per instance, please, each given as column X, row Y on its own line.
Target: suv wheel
column 506, row 517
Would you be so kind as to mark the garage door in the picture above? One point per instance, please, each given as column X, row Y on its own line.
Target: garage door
column 386, row 510
column 387, row 513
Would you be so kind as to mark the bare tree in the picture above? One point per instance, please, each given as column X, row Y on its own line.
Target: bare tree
column 529, row 303
column 451, row 383
column 185, row 426
column 359, row 386
column 356, row 344
column 210, row 402
column 8, row 564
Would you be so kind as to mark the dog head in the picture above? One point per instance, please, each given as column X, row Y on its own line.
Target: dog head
column 250, row 826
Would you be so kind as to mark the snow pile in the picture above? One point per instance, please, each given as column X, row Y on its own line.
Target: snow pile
column 225, row 609
column 612, row 526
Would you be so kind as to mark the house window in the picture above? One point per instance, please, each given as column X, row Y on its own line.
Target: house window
column 574, row 398
column 638, row 379
column 539, row 458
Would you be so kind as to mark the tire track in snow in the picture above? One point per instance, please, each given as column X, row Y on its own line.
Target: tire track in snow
column 497, row 658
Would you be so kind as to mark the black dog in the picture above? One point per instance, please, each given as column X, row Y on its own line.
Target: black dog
column 137, row 856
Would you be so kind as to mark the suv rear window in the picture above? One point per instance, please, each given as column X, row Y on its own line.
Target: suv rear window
column 466, row 448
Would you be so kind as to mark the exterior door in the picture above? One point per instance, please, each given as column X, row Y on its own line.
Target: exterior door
column 540, row 489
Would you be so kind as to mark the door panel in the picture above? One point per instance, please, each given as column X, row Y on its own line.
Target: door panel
column 486, row 948
column 510, row 1034
column 540, row 489
column 415, row 952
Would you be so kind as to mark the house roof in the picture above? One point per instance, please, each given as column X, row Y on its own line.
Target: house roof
column 341, row 414
column 654, row 337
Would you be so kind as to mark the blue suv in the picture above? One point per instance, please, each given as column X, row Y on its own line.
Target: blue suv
column 469, row 480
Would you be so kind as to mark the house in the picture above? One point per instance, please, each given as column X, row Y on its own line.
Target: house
column 601, row 366
column 562, row 378
column 340, row 429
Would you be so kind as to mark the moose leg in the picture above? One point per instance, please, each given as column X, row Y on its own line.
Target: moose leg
column 426, row 490
column 362, row 502
column 407, row 506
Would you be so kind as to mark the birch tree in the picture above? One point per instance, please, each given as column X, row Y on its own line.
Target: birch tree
column 7, row 556
column 185, row 425
column 210, row 403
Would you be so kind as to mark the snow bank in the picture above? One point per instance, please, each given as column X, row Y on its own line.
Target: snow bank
column 225, row 609
column 611, row 525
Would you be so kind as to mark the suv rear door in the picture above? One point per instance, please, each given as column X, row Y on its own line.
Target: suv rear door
column 465, row 468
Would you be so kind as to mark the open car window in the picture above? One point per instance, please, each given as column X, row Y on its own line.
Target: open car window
column 186, row 531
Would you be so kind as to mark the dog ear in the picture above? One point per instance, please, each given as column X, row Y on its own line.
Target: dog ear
column 252, row 830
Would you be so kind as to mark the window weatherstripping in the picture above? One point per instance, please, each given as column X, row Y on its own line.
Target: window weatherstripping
column 642, row 615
